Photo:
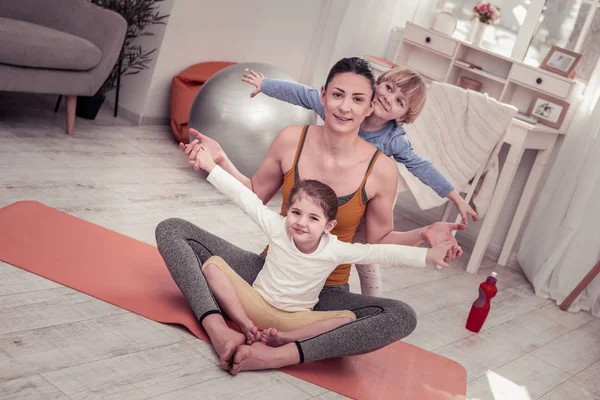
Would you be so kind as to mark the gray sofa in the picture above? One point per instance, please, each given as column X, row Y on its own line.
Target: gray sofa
column 64, row 47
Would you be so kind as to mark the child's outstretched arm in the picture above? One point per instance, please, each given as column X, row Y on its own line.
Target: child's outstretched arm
column 290, row 92
column 403, row 152
column 394, row 254
column 268, row 220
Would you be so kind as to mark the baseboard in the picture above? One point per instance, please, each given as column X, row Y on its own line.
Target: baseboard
column 466, row 238
column 147, row 120
column 135, row 117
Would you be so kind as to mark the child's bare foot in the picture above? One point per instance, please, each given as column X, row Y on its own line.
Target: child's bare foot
column 250, row 331
column 272, row 338
column 259, row 356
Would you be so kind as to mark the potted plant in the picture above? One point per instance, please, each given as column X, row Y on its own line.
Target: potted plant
column 139, row 14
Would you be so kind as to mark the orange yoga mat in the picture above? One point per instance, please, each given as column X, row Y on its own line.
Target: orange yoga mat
column 132, row 275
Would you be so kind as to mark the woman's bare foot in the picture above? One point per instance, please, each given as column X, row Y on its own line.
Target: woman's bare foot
column 226, row 345
column 260, row 356
column 272, row 338
column 224, row 340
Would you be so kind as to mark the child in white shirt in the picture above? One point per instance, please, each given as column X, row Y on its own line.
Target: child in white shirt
column 302, row 253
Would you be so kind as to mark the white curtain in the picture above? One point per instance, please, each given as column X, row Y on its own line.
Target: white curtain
column 561, row 243
column 355, row 28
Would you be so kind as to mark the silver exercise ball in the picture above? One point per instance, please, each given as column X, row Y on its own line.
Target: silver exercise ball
column 243, row 126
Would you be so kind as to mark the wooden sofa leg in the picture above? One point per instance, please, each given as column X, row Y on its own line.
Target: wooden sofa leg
column 71, row 106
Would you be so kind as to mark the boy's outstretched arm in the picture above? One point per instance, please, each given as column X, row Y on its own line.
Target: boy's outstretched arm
column 290, row 92
column 427, row 173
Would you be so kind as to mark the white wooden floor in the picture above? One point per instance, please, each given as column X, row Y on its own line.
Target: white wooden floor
column 57, row 343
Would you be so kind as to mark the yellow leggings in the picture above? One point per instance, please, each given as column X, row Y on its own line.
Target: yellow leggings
column 263, row 314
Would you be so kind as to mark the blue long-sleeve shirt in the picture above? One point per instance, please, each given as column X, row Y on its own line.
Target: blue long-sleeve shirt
column 390, row 139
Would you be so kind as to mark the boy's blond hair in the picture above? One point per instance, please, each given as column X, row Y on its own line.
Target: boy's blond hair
column 412, row 85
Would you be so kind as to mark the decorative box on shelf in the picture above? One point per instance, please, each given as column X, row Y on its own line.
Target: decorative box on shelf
column 440, row 57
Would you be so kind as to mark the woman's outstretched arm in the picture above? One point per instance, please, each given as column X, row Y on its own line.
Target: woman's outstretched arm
column 379, row 218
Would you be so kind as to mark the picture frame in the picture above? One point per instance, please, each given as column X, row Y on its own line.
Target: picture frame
column 560, row 61
column 548, row 110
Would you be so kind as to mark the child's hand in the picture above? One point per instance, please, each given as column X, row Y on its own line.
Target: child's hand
column 440, row 254
column 210, row 145
column 203, row 160
column 198, row 155
column 254, row 78
column 464, row 208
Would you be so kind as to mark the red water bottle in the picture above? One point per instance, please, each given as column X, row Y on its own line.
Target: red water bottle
column 481, row 306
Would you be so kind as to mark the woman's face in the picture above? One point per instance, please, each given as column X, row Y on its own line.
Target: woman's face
column 389, row 103
column 347, row 102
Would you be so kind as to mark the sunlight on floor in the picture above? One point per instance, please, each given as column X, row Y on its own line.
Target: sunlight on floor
column 505, row 389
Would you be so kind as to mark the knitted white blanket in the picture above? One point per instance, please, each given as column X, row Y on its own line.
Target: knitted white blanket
column 458, row 131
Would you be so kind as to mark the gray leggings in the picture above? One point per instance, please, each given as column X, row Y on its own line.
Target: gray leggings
column 185, row 247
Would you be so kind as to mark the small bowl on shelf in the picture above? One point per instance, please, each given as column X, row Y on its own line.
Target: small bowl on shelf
column 469, row 84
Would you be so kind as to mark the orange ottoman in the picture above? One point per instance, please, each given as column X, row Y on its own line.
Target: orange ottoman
column 184, row 88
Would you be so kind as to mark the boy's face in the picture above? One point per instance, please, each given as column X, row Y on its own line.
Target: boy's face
column 347, row 102
column 305, row 221
column 389, row 103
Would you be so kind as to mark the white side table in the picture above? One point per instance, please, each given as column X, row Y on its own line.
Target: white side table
column 521, row 136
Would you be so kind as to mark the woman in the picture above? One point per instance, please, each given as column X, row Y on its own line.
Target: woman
column 335, row 155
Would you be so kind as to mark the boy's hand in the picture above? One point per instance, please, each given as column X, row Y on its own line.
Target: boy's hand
column 465, row 209
column 254, row 78
column 440, row 254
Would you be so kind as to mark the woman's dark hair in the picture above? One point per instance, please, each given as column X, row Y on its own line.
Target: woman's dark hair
column 319, row 192
column 355, row 65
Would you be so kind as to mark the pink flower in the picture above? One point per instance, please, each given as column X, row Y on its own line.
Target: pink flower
column 484, row 8
column 486, row 13
column 494, row 14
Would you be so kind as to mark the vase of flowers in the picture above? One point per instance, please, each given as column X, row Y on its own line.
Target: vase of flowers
column 484, row 14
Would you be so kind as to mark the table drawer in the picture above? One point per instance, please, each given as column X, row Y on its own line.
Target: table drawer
column 436, row 42
column 540, row 80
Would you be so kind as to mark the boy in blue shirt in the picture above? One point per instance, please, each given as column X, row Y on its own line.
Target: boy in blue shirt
column 399, row 99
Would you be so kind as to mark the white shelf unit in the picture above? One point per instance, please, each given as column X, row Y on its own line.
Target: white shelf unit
column 437, row 57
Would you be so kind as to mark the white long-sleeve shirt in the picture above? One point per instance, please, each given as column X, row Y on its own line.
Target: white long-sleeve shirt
column 291, row 280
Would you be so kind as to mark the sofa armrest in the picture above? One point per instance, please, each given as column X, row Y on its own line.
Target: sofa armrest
column 104, row 28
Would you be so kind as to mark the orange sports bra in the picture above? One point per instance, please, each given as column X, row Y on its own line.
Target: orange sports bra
column 351, row 209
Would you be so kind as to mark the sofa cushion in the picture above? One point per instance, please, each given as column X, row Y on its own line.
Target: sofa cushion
column 30, row 45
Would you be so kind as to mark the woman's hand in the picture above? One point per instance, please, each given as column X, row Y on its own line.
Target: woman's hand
column 198, row 156
column 441, row 232
column 440, row 254
column 210, row 145
column 255, row 79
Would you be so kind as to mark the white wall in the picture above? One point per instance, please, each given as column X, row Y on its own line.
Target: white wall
column 302, row 38
column 277, row 32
